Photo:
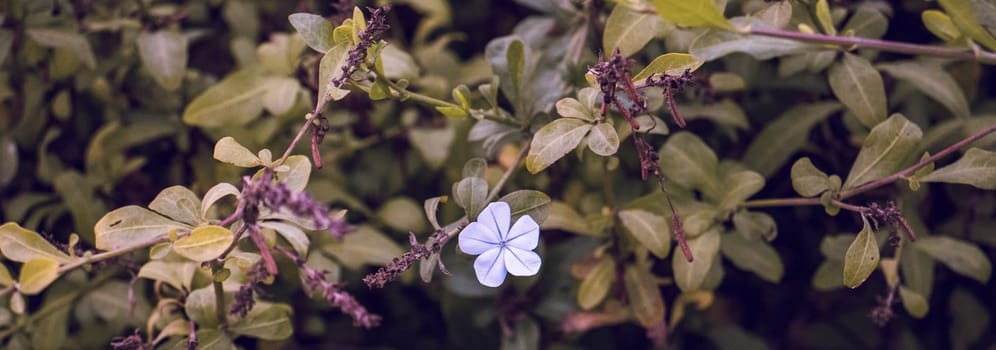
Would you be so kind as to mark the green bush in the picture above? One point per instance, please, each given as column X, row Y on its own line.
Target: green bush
column 639, row 173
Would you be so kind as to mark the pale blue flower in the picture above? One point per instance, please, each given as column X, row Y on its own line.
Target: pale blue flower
column 501, row 249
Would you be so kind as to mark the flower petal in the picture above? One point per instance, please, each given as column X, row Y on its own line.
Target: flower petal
column 497, row 216
column 521, row 262
column 476, row 238
column 524, row 234
column 490, row 268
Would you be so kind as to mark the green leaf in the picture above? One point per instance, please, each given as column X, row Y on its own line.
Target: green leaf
column 651, row 230
column 20, row 244
column 861, row 258
column 738, row 186
column 200, row 307
column 807, row 180
column 78, row 194
column 470, row 193
column 562, row 217
column 298, row 172
column 859, row 86
column 433, row 144
column 977, row 168
column 293, row 234
column 690, row 275
column 403, row 214
column 8, row 157
column 867, row 22
column 961, row 257
column 475, row 167
column 629, row 30
column 266, row 321
column 827, row 276
column 755, row 256
column 204, row 243
column 963, row 16
column 644, row 296
column 229, row 151
column 64, row 39
column 888, row 148
column 235, row 101
column 216, row 193
column 127, row 226
column 914, row 303
column 968, row 319
column 554, row 141
column 581, row 108
column 714, row 44
column 933, row 81
column 835, row 247
column 281, row 95
column 430, row 206
column 939, row 24
column 365, row 246
column 178, row 203
column 536, row 204
column 36, row 274
column 688, row 161
column 784, row 136
column 603, row 140
column 726, row 112
column 777, row 14
column 331, row 68
column 212, row 339
column 178, row 274
column 755, row 225
column 692, row 13
column 525, row 335
column 315, row 29
column 164, row 55
column 670, row 63
column 596, row 285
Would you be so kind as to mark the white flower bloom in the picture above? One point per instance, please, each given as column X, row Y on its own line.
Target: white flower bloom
column 501, row 249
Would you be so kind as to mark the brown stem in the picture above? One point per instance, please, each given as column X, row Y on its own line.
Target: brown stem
column 883, row 45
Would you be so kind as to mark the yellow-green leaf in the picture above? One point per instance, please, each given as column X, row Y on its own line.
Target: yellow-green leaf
column 36, row 274
column 963, row 16
column 596, row 285
column 204, row 243
column 330, row 69
column 753, row 255
column 298, row 172
column 692, row 13
column 777, row 14
column 914, row 303
column 266, row 321
column 314, row 29
column 939, row 24
column 933, row 81
column 20, row 244
column 178, row 203
column 603, row 140
column 5, row 279
column 365, row 246
column 670, row 64
column 178, row 274
column 824, row 18
column 688, row 161
column 861, row 258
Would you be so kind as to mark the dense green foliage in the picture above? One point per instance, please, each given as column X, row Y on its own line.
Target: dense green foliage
column 730, row 174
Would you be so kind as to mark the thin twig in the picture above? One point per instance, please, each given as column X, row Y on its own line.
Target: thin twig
column 883, row 45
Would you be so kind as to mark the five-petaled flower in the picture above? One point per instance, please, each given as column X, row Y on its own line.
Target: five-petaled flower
column 502, row 249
